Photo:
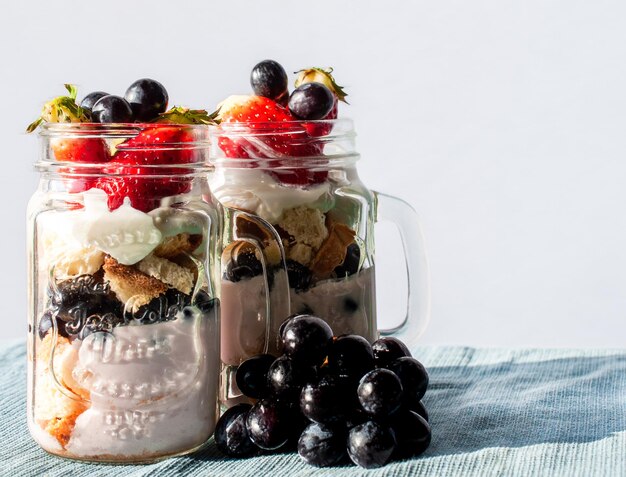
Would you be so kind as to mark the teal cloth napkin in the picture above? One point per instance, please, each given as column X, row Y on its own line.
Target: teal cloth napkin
column 493, row 412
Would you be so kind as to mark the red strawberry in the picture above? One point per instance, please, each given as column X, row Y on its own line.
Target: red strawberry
column 157, row 145
column 79, row 150
column 64, row 109
column 118, row 188
column 274, row 133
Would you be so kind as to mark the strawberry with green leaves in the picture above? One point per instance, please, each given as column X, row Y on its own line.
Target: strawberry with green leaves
column 71, row 147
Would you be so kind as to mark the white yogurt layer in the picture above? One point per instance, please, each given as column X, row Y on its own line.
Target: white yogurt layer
column 127, row 234
column 258, row 192
column 153, row 389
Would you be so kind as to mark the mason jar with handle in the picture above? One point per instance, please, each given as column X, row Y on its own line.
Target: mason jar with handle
column 123, row 349
column 300, row 179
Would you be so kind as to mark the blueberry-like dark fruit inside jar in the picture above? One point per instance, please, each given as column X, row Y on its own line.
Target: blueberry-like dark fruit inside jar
column 231, row 434
column 46, row 325
column 311, row 101
column 300, row 276
column 351, row 263
column 147, row 99
column 269, row 79
column 307, row 339
column 111, row 109
column 241, row 262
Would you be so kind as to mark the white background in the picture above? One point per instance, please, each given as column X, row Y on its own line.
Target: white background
column 501, row 121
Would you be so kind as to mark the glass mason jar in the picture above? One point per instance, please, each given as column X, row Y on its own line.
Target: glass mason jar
column 123, row 349
column 300, row 180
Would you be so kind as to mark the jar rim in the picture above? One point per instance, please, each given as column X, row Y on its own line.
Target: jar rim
column 317, row 143
column 194, row 144
column 110, row 129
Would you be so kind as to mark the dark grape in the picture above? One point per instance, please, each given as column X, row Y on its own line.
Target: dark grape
column 311, row 101
column 269, row 79
column 321, row 445
column 307, row 339
column 421, row 410
column 351, row 355
column 326, row 401
column 412, row 432
column 388, row 349
column 111, row 109
column 286, row 377
column 91, row 99
column 371, row 444
column 147, row 99
column 268, row 424
column 251, row 376
column 414, row 379
column 380, row 393
column 351, row 263
column 231, row 435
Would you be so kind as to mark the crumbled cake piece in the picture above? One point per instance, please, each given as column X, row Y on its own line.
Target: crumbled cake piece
column 301, row 253
column 70, row 262
column 305, row 225
column 167, row 272
column 178, row 244
column 332, row 253
column 128, row 283
column 54, row 410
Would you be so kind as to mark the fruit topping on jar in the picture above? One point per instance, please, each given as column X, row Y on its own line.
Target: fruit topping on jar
column 325, row 397
column 124, row 171
column 282, row 125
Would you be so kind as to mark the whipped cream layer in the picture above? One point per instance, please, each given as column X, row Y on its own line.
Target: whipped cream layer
column 256, row 191
column 75, row 237
column 153, row 389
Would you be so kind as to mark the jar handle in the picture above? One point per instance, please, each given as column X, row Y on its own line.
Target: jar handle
column 393, row 209
column 272, row 312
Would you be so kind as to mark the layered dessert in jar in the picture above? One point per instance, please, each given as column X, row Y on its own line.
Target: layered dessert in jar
column 287, row 160
column 124, row 329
